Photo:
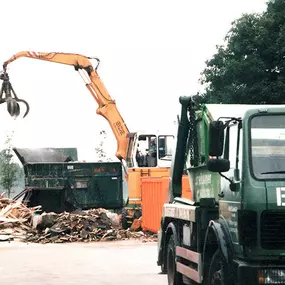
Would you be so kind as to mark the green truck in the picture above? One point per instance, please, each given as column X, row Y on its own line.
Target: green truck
column 233, row 230
column 55, row 180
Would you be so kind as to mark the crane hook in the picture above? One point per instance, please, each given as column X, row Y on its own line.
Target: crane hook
column 8, row 95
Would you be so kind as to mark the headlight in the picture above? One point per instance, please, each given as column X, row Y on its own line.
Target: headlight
column 271, row 276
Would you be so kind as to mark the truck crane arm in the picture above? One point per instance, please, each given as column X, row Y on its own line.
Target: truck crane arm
column 106, row 105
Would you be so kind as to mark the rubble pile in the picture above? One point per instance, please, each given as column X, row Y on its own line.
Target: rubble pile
column 18, row 221
column 15, row 219
column 81, row 226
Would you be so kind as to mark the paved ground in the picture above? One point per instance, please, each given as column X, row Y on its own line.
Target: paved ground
column 98, row 263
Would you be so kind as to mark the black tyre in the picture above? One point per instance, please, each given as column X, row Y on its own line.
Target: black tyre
column 218, row 274
column 174, row 277
column 124, row 219
column 163, row 268
column 137, row 214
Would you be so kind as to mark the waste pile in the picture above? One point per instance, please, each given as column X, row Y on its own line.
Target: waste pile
column 26, row 224
column 15, row 219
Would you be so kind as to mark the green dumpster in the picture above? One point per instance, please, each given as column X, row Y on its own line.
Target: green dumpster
column 54, row 180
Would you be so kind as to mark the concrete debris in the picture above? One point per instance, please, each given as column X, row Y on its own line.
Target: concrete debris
column 18, row 221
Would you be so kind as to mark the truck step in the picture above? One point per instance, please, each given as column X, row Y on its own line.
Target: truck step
column 192, row 256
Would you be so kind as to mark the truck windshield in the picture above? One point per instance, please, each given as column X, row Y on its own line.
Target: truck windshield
column 268, row 146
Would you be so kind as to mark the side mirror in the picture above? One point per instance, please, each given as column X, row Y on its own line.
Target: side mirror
column 218, row 165
column 216, row 138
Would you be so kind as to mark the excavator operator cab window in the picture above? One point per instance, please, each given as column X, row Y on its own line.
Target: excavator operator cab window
column 165, row 147
column 147, row 151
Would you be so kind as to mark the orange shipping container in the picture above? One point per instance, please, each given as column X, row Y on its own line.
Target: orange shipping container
column 154, row 195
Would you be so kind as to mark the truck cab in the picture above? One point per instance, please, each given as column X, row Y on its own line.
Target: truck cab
column 232, row 231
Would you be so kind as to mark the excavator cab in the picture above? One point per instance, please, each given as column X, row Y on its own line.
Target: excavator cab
column 149, row 150
column 148, row 156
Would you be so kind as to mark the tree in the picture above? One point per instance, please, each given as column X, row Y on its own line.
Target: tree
column 10, row 171
column 102, row 156
column 249, row 67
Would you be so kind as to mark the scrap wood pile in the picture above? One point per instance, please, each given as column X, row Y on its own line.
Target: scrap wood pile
column 15, row 219
column 18, row 221
column 91, row 225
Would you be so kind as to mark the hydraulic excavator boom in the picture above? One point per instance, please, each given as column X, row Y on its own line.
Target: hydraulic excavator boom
column 143, row 154
column 106, row 105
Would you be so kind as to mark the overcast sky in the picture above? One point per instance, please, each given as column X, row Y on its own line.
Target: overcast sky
column 151, row 52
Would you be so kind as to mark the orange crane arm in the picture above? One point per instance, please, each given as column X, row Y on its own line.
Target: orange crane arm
column 106, row 105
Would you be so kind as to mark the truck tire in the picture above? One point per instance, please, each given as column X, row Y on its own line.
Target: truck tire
column 163, row 268
column 174, row 277
column 218, row 275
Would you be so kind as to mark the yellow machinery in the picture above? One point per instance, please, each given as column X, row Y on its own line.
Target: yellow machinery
column 142, row 154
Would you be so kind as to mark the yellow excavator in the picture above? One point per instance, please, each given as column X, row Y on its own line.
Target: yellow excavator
column 141, row 154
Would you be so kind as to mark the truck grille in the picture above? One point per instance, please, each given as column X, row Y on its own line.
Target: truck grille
column 273, row 230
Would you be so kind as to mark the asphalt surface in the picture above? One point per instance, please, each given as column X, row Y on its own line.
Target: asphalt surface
column 97, row 263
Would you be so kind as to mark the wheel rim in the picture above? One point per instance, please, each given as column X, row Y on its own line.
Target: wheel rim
column 170, row 266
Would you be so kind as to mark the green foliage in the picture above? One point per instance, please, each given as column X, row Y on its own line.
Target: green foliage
column 249, row 67
column 10, row 171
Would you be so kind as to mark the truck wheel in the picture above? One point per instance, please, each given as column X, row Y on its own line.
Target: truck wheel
column 174, row 277
column 217, row 273
column 163, row 268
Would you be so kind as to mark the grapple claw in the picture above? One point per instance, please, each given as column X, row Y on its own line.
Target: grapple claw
column 27, row 106
column 11, row 106
column 17, row 111
column 8, row 95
